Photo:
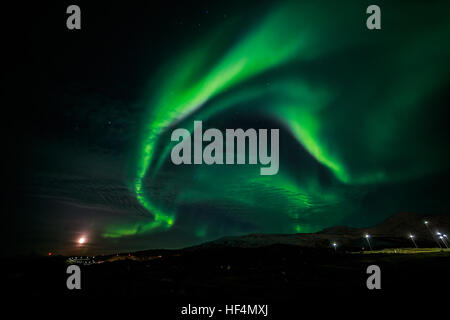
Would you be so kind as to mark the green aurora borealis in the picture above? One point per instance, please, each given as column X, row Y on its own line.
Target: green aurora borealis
column 362, row 118
column 355, row 109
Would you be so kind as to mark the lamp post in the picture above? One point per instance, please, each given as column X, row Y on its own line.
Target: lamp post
column 436, row 240
column 445, row 239
column 442, row 238
column 411, row 236
column 367, row 236
column 334, row 246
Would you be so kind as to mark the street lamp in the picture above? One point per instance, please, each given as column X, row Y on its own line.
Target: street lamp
column 334, row 245
column 411, row 236
column 443, row 240
column 367, row 236
column 432, row 235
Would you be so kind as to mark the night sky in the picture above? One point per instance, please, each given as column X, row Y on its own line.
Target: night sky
column 88, row 116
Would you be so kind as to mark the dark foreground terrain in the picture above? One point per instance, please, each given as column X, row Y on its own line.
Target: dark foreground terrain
column 286, row 271
column 268, row 273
